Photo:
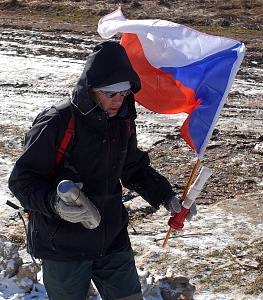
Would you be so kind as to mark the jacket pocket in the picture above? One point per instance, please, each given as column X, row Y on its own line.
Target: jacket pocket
column 53, row 234
column 47, row 232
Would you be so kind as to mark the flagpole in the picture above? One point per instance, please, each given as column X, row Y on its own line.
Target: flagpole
column 189, row 182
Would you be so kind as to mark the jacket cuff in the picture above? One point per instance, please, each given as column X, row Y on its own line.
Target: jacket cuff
column 166, row 200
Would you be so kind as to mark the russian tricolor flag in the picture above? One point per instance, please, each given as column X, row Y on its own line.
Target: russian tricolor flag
column 181, row 70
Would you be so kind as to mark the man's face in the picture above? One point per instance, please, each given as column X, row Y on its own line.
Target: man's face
column 111, row 102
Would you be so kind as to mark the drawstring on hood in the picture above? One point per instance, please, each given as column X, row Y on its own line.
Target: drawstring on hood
column 108, row 64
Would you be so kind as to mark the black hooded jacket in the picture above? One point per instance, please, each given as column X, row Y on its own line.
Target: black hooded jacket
column 103, row 156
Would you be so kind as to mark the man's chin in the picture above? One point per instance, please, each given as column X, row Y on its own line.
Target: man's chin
column 113, row 113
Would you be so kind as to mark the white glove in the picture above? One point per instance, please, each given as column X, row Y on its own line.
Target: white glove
column 173, row 205
column 70, row 212
column 192, row 212
column 73, row 206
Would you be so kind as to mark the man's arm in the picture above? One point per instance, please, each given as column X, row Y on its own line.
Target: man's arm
column 29, row 180
column 138, row 175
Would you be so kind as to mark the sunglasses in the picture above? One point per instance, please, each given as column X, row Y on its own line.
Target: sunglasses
column 113, row 94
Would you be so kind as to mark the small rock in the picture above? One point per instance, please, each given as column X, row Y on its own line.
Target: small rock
column 177, row 288
column 27, row 275
column 12, row 268
column 170, row 288
column 10, row 261
column 258, row 148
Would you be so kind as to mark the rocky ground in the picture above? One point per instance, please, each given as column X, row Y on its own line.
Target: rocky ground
column 222, row 250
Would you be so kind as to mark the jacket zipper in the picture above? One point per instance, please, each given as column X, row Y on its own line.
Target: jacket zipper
column 107, row 181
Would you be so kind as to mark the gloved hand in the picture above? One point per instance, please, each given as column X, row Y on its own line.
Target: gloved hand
column 173, row 205
column 72, row 205
column 192, row 212
column 71, row 212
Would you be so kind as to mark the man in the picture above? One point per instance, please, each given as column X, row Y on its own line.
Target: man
column 103, row 157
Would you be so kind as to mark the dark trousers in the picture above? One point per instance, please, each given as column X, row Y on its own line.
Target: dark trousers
column 114, row 275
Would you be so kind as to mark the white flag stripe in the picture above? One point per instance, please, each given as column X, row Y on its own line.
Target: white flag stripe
column 165, row 43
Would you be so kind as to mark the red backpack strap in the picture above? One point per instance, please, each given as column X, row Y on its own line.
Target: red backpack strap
column 69, row 134
column 65, row 141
